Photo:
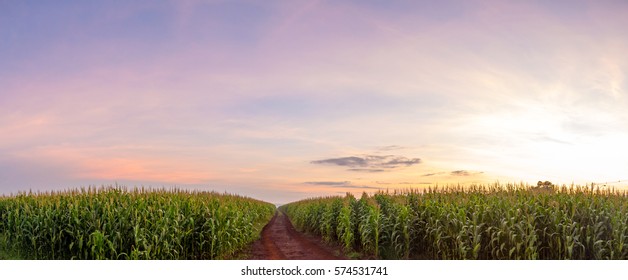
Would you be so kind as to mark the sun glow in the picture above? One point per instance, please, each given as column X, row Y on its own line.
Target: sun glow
column 546, row 142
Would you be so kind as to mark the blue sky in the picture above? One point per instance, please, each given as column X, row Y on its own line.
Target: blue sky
column 250, row 97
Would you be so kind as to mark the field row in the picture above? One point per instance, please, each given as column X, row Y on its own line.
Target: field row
column 481, row 222
column 113, row 223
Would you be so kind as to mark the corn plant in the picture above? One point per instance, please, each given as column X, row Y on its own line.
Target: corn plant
column 475, row 222
column 116, row 223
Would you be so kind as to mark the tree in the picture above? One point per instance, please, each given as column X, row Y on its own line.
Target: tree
column 545, row 184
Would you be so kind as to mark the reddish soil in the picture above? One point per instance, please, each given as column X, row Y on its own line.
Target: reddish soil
column 280, row 241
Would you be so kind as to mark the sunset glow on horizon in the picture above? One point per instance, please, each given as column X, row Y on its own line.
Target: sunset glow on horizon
column 284, row 100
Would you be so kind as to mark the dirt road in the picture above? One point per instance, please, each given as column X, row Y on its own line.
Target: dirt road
column 281, row 241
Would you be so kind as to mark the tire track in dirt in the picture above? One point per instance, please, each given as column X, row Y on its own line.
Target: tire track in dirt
column 281, row 241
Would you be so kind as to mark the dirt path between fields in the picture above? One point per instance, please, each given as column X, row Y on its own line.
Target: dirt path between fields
column 281, row 241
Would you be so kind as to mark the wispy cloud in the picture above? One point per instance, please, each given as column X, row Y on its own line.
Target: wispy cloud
column 367, row 170
column 370, row 163
column 460, row 173
column 464, row 173
column 343, row 161
column 551, row 139
column 432, row 174
column 390, row 148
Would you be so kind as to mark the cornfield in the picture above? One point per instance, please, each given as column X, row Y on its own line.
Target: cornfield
column 115, row 223
column 479, row 222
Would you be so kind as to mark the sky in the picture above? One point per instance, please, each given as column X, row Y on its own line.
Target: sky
column 284, row 100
